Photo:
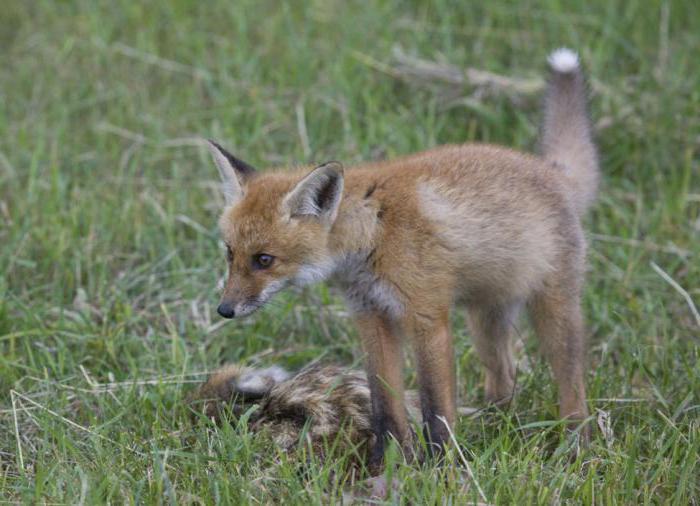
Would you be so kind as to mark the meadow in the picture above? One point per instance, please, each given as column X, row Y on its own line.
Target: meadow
column 110, row 262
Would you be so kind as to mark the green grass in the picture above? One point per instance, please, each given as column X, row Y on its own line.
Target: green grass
column 109, row 256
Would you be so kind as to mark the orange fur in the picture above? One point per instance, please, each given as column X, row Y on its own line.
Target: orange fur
column 483, row 226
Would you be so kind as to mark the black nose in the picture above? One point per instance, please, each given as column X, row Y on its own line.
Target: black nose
column 226, row 310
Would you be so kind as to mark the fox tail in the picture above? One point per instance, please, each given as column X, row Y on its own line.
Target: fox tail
column 567, row 137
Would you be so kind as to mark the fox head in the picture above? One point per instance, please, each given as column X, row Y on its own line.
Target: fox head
column 276, row 228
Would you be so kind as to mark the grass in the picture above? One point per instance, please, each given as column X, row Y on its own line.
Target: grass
column 110, row 258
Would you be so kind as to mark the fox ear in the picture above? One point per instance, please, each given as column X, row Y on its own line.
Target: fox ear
column 318, row 194
column 234, row 172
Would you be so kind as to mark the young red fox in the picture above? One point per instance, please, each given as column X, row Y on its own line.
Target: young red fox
column 485, row 227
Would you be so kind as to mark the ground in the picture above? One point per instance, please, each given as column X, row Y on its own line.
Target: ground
column 110, row 258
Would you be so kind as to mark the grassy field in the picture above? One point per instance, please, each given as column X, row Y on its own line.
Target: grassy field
column 109, row 256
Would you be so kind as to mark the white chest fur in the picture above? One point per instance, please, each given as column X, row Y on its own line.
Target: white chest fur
column 364, row 289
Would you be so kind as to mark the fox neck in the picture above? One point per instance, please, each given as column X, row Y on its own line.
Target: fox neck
column 354, row 240
column 352, row 236
column 354, row 230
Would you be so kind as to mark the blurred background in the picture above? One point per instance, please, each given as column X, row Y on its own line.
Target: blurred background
column 110, row 259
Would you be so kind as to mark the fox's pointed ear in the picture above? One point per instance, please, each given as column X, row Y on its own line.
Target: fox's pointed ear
column 234, row 172
column 318, row 194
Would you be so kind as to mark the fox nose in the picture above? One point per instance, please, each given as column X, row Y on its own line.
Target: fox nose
column 226, row 310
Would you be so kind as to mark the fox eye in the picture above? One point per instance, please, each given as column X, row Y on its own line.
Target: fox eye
column 262, row 261
column 229, row 253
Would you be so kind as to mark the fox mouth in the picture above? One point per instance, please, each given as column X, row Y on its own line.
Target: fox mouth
column 255, row 303
column 250, row 307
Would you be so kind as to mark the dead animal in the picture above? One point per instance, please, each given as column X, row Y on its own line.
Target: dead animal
column 321, row 404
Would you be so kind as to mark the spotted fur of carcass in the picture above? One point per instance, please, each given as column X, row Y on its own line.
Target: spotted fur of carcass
column 322, row 403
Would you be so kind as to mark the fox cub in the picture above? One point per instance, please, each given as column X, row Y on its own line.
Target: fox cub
column 479, row 226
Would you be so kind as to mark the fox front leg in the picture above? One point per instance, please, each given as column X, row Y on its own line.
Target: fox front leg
column 433, row 347
column 383, row 348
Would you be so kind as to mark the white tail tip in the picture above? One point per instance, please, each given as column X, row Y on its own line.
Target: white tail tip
column 563, row 60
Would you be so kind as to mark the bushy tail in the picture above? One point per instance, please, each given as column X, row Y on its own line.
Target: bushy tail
column 566, row 131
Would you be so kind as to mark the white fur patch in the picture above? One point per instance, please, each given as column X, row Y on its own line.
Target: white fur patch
column 261, row 380
column 563, row 60
column 252, row 383
column 313, row 273
column 276, row 373
column 364, row 290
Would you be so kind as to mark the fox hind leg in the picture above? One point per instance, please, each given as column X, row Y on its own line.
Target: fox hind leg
column 491, row 326
column 556, row 316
